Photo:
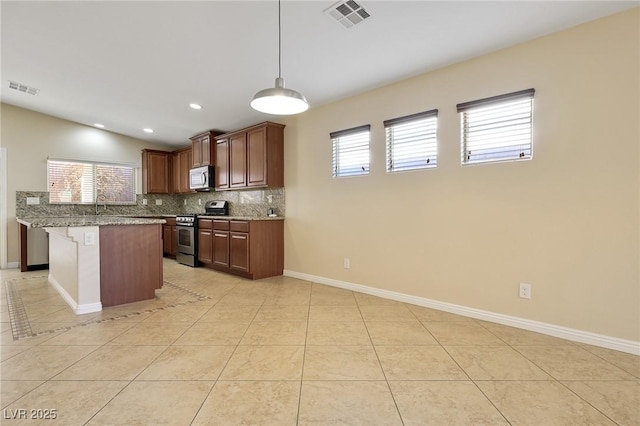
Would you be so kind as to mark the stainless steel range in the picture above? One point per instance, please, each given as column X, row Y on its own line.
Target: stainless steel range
column 187, row 227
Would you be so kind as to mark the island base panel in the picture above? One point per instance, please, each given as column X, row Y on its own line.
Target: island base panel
column 130, row 263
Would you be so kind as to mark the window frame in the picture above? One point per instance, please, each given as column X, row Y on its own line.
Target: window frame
column 92, row 179
column 481, row 105
column 392, row 124
column 336, row 151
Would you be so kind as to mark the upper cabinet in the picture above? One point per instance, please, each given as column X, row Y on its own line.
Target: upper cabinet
column 251, row 157
column 181, row 165
column 156, row 171
column 203, row 149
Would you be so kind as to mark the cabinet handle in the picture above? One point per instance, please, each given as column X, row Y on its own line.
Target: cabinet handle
column 220, row 235
column 239, row 237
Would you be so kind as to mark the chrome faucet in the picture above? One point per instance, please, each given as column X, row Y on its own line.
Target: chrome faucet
column 104, row 200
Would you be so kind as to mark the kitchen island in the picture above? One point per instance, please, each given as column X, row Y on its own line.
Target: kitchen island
column 100, row 261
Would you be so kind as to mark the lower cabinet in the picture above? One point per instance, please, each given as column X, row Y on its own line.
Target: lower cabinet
column 169, row 238
column 252, row 249
column 205, row 241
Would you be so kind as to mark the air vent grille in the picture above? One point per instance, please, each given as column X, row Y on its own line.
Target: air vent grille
column 347, row 13
column 23, row 88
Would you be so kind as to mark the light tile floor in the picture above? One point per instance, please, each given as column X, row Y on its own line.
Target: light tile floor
column 283, row 351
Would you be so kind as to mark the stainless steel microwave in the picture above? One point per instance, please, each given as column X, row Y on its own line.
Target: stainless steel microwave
column 201, row 178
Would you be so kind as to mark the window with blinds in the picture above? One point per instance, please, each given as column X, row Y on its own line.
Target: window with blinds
column 497, row 128
column 77, row 182
column 351, row 151
column 412, row 141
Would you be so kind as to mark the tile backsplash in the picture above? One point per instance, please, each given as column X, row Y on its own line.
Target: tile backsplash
column 241, row 203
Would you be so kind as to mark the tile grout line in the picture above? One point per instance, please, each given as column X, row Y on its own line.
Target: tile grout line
column 384, row 374
column 304, row 354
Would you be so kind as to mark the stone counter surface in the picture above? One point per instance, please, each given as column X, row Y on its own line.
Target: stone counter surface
column 71, row 221
column 248, row 218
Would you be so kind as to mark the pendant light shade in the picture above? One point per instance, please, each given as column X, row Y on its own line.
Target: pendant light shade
column 279, row 100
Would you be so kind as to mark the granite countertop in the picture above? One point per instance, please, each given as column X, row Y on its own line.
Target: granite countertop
column 241, row 217
column 65, row 221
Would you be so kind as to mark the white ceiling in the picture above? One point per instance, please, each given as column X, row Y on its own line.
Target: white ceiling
column 130, row 65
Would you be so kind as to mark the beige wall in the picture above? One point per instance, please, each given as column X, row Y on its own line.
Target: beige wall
column 567, row 222
column 30, row 138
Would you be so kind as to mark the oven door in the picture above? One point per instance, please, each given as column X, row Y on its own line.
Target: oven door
column 186, row 239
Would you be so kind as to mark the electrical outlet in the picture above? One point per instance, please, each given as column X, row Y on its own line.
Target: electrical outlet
column 144, row 202
column 185, row 202
column 270, row 198
column 199, row 201
column 89, row 239
column 158, row 202
column 525, row 290
column 347, row 263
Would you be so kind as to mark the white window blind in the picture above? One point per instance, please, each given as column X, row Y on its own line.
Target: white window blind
column 78, row 182
column 412, row 141
column 497, row 128
column 351, row 151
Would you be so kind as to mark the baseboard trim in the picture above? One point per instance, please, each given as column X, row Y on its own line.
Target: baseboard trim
column 574, row 335
column 12, row 265
column 86, row 308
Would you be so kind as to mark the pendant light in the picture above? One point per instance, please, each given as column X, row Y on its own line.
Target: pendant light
column 279, row 100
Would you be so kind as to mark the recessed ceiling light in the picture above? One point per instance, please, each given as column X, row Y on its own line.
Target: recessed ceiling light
column 148, row 130
column 99, row 125
column 195, row 106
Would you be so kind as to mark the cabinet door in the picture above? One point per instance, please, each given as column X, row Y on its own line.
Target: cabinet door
column 239, row 251
column 238, row 160
column 196, row 148
column 167, row 237
column 156, row 167
column 222, row 164
column 205, row 151
column 221, row 248
column 257, row 157
column 174, row 240
column 177, row 169
column 185, row 165
column 205, row 245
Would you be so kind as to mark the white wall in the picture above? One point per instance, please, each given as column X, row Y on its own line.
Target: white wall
column 567, row 222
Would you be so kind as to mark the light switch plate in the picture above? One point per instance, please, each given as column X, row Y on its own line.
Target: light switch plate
column 158, row 202
column 31, row 201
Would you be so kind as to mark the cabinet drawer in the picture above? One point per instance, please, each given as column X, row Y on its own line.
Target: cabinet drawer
column 171, row 221
column 205, row 223
column 239, row 226
column 222, row 225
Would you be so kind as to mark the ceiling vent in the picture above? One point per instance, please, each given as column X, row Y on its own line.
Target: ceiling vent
column 23, row 88
column 348, row 13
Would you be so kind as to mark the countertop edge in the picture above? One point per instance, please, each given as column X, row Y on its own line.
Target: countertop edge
column 79, row 221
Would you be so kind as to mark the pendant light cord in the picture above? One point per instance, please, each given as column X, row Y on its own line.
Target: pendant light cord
column 279, row 43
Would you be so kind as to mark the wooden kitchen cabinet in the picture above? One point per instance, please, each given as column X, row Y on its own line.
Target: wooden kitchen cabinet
column 169, row 238
column 252, row 249
column 238, row 160
column 181, row 165
column 204, row 149
column 239, row 251
column 205, row 241
column 221, row 243
column 222, row 164
column 156, row 171
column 251, row 157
